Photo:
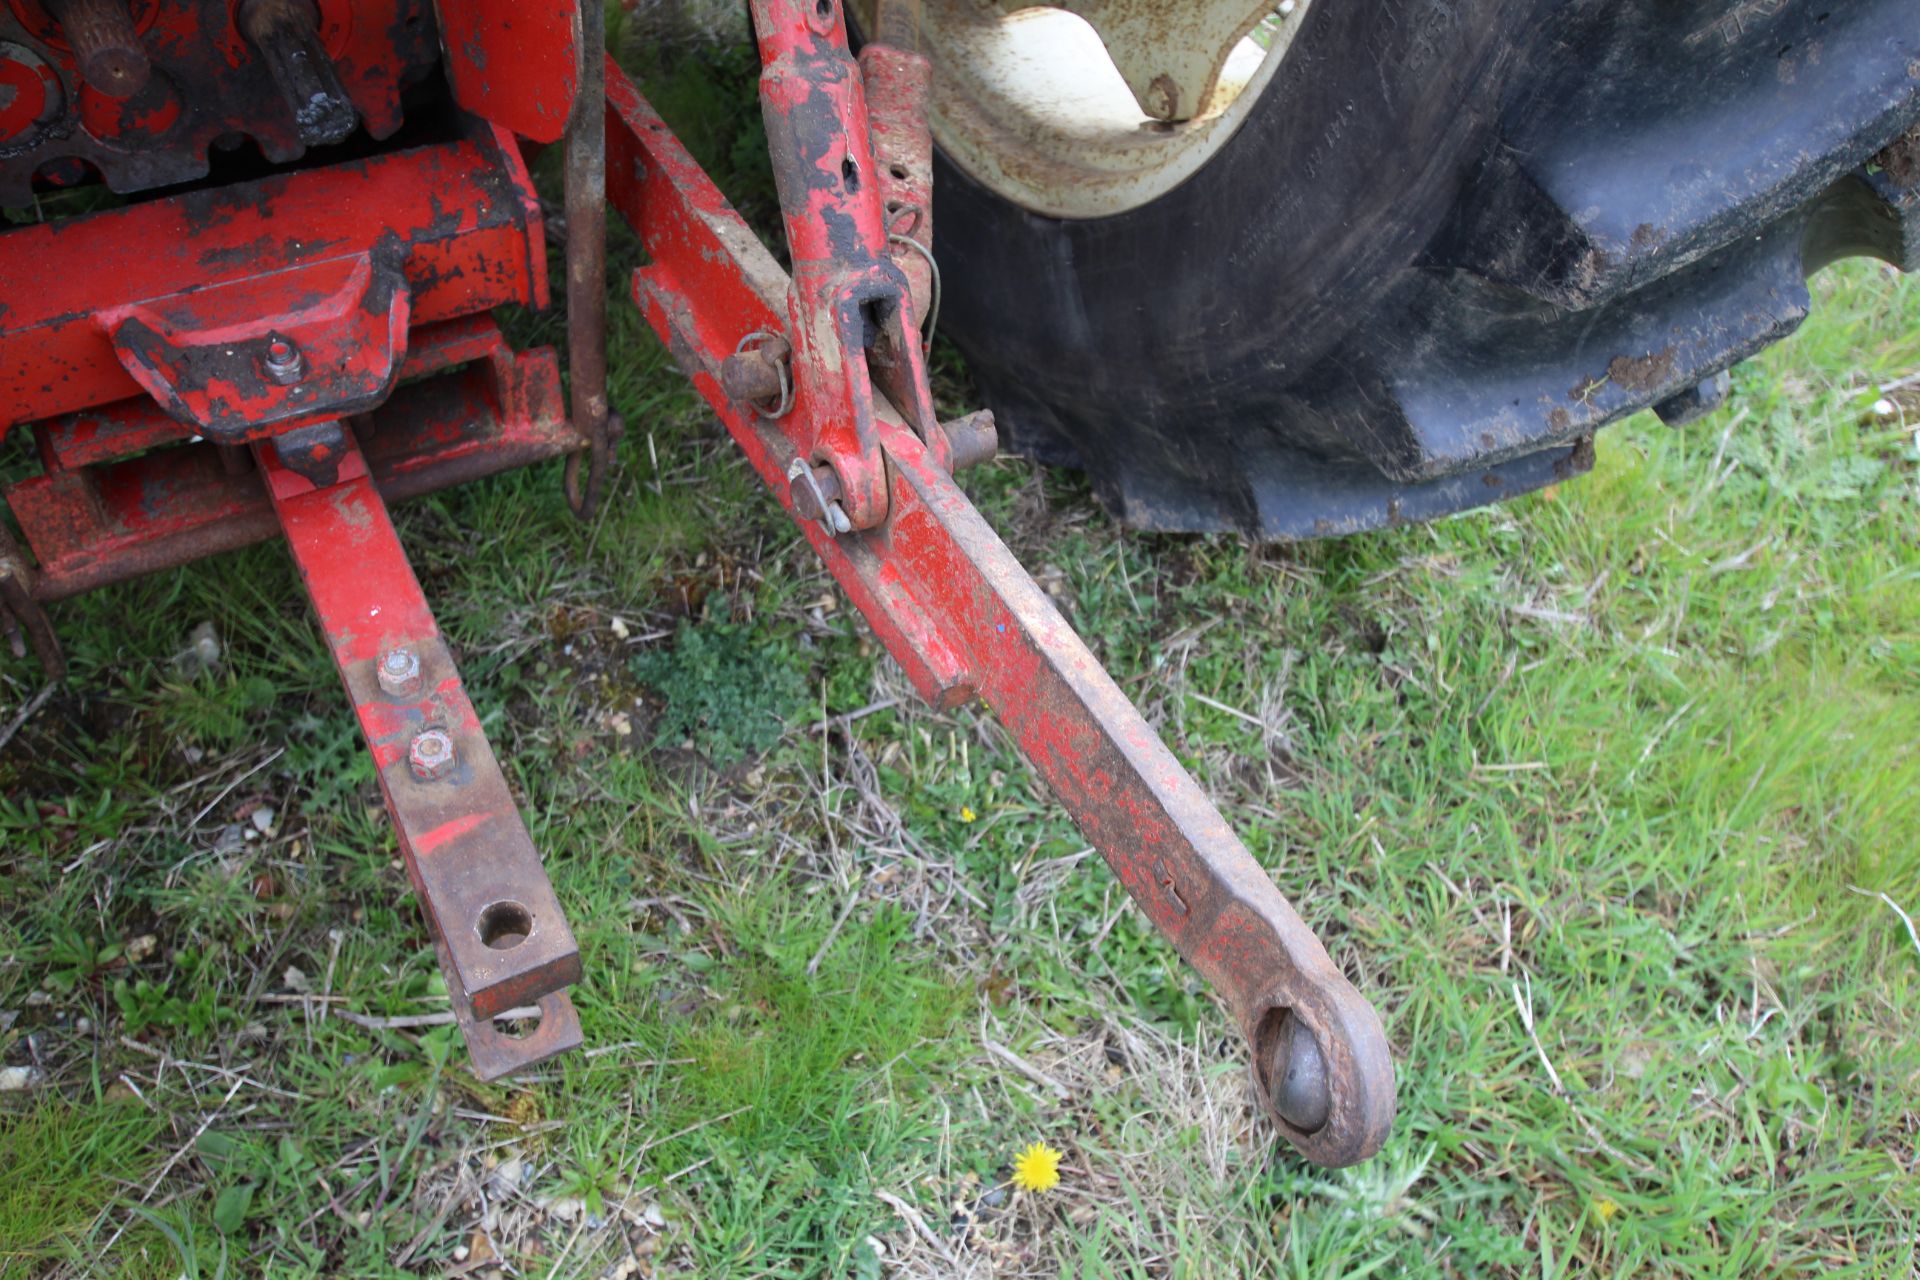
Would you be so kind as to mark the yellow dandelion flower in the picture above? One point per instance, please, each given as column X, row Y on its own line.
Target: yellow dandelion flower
column 1037, row 1168
column 967, row 814
column 1604, row 1209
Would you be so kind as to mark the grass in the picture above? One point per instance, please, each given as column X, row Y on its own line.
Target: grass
column 1591, row 793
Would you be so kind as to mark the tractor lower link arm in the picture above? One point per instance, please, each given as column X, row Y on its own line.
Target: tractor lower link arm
column 821, row 379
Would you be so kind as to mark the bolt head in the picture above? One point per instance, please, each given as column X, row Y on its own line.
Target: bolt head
column 399, row 673
column 430, row 755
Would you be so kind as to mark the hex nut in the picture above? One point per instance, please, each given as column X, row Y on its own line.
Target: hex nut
column 430, row 755
column 283, row 362
column 399, row 673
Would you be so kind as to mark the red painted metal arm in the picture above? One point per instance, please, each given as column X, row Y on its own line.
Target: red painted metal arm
column 497, row 926
column 955, row 608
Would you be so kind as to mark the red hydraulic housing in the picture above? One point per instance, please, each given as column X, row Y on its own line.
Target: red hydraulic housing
column 287, row 354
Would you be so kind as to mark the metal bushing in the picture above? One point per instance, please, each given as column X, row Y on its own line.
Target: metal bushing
column 1297, row 1075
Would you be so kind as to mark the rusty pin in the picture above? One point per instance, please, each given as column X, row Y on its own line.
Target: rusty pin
column 399, row 673
column 758, row 374
column 430, row 755
column 283, row 362
column 973, row 438
column 816, row 495
column 750, row 375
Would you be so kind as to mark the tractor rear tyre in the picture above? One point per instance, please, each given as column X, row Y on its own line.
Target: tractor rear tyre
column 1441, row 244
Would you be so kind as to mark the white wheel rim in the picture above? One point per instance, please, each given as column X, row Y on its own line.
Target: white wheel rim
column 1031, row 105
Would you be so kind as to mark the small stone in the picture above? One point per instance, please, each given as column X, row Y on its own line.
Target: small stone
column 16, row 1079
column 621, row 723
column 263, row 819
column 202, row 652
column 506, row 1178
column 620, row 628
column 83, row 1026
column 654, row 1218
column 1884, row 408
column 141, row 947
column 296, row 981
column 479, row 1247
column 565, row 1208
column 37, row 998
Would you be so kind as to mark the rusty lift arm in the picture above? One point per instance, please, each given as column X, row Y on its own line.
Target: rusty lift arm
column 854, row 452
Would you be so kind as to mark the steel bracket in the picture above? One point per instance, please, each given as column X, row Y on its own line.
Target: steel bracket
column 227, row 369
column 850, row 311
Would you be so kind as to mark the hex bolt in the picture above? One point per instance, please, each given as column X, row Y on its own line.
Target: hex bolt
column 283, row 362
column 399, row 673
column 430, row 755
column 1297, row 1078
